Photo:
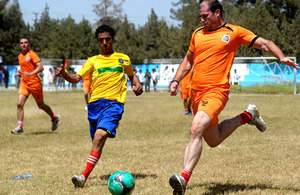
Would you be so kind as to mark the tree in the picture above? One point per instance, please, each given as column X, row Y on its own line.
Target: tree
column 39, row 38
column 291, row 36
column 127, row 41
column 188, row 14
column 12, row 28
column 110, row 13
column 281, row 8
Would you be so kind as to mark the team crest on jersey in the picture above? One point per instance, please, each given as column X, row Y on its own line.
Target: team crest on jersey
column 226, row 38
column 121, row 60
column 27, row 59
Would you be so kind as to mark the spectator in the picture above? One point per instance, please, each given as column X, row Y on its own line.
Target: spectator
column 17, row 76
column 147, row 84
column 6, row 77
column 236, row 78
column 51, row 79
column 141, row 76
column 154, row 78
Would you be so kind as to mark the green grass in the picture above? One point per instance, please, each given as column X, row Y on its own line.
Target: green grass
column 265, row 89
column 150, row 144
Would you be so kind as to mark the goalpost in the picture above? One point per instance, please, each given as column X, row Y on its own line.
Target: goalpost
column 271, row 69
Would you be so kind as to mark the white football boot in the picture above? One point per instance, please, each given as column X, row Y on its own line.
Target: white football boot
column 78, row 181
column 256, row 119
column 17, row 130
column 178, row 184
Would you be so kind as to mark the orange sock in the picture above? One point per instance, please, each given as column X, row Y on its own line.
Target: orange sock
column 245, row 117
column 91, row 163
column 186, row 174
column 53, row 117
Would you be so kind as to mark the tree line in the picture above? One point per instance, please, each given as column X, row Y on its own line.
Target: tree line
column 277, row 20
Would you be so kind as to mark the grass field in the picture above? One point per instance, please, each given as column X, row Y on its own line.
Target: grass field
column 150, row 144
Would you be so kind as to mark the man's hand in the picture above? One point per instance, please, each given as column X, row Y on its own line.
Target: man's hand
column 26, row 74
column 138, row 89
column 289, row 62
column 60, row 71
column 173, row 88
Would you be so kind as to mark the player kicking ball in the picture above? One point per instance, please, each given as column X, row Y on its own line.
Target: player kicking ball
column 211, row 53
column 106, row 105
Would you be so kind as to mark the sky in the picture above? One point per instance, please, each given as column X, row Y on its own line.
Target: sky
column 137, row 11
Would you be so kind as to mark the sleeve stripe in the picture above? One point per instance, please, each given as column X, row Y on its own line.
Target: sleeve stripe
column 252, row 42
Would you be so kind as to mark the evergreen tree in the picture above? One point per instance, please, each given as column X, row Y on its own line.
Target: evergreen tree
column 109, row 13
column 263, row 25
column 126, row 41
column 12, row 28
column 39, row 38
column 188, row 14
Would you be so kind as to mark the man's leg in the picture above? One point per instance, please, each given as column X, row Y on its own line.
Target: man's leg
column 192, row 153
column 193, row 150
column 185, row 105
column 86, row 98
column 20, row 104
column 189, row 103
column 54, row 118
column 217, row 134
column 20, row 114
column 45, row 107
column 98, row 142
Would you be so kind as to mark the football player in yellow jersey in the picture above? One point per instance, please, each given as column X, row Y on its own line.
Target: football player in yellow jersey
column 210, row 55
column 106, row 104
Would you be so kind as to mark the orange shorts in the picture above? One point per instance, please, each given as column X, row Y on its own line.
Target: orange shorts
column 36, row 90
column 212, row 102
column 87, row 87
column 185, row 93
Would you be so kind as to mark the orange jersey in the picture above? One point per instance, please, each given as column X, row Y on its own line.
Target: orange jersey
column 214, row 52
column 185, row 85
column 186, row 81
column 28, row 63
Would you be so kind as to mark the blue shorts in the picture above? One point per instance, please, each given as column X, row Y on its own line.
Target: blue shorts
column 105, row 114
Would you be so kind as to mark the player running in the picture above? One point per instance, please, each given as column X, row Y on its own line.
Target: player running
column 106, row 104
column 87, row 89
column 185, row 90
column 211, row 53
column 31, row 65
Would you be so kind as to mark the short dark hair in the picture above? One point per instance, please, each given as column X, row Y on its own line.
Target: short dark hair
column 214, row 5
column 25, row 38
column 105, row 28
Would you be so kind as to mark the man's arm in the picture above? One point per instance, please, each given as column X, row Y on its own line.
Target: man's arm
column 39, row 68
column 72, row 78
column 137, row 89
column 274, row 50
column 183, row 69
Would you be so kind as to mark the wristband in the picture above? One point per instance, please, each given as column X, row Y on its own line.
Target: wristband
column 175, row 81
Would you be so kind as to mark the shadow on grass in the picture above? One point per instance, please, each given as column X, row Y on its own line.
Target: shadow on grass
column 104, row 179
column 219, row 188
column 41, row 133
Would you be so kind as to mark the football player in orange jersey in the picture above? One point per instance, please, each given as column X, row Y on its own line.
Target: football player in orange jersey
column 185, row 90
column 87, row 89
column 210, row 55
column 31, row 65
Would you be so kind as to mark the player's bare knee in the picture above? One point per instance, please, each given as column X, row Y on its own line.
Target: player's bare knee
column 195, row 133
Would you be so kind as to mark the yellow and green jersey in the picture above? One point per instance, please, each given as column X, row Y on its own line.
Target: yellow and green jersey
column 107, row 76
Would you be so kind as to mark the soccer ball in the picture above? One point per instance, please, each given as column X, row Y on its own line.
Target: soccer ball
column 121, row 183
